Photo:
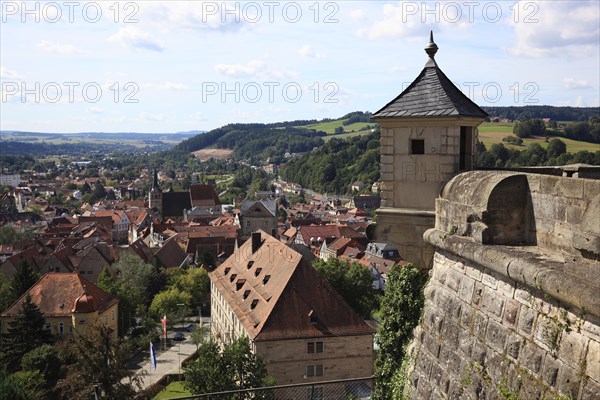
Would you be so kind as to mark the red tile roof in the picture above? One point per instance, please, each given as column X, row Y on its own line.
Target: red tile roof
column 284, row 291
column 56, row 293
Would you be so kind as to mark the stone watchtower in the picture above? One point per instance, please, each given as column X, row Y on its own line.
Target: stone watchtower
column 428, row 134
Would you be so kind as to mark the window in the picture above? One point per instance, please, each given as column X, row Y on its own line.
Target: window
column 246, row 294
column 417, row 146
column 247, row 223
column 266, row 279
column 48, row 326
column 314, row 347
column 314, row 370
column 266, row 223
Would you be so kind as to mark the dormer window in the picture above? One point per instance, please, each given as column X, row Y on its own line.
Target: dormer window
column 239, row 284
column 254, row 304
column 250, row 264
column 258, row 271
column 227, row 270
column 246, row 294
column 232, row 277
column 266, row 279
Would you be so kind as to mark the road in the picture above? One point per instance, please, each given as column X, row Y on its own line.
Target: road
column 167, row 361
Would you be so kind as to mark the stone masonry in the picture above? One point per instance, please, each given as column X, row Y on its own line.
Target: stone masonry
column 513, row 302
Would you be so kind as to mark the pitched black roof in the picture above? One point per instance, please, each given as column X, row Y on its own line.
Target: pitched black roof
column 173, row 203
column 432, row 94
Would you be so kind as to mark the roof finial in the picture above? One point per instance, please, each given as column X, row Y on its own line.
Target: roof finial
column 431, row 48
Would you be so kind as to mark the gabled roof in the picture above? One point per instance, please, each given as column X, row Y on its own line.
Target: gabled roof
column 204, row 195
column 275, row 291
column 55, row 295
column 258, row 207
column 431, row 95
column 170, row 254
column 173, row 203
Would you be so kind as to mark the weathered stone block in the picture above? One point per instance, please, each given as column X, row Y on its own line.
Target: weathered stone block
column 465, row 291
column 477, row 293
column 548, row 334
column 511, row 311
column 479, row 352
column 513, row 345
column 573, row 347
column 591, row 188
column 593, row 361
column 479, row 325
column 550, row 368
column 568, row 382
column 571, row 188
column 531, row 357
column 523, row 296
column 492, row 304
column 489, row 280
column 496, row 335
column 453, row 279
column 432, row 345
column 451, row 334
column 590, row 390
column 473, row 272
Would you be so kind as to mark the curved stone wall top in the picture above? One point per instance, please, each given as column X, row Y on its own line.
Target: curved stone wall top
column 474, row 187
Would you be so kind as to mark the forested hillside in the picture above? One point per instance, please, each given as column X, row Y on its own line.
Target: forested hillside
column 256, row 142
column 337, row 164
column 554, row 113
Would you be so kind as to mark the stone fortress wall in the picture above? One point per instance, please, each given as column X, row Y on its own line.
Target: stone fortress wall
column 513, row 303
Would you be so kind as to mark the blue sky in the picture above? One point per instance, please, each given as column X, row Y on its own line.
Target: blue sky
column 158, row 66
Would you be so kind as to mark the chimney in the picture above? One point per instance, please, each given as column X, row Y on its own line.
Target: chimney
column 256, row 241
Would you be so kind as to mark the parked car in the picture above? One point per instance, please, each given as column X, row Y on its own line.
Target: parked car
column 178, row 336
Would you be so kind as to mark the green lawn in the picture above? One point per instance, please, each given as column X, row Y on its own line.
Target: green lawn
column 173, row 391
column 490, row 133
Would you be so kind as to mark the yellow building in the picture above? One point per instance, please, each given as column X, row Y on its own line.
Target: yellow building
column 304, row 329
column 68, row 301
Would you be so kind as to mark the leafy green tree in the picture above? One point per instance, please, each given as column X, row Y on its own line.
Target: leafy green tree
column 196, row 283
column 530, row 127
column 11, row 388
column 171, row 302
column 32, row 383
column 95, row 359
column 233, row 368
column 352, row 281
column 25, row 333
column 556, row 147
column 401, row 310
column 8, row 234
column 46, row 360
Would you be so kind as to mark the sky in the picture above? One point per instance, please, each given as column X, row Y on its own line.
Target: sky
column 171, row 66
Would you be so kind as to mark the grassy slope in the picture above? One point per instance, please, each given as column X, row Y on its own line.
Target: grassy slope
column 173, row 391
column 490, row 133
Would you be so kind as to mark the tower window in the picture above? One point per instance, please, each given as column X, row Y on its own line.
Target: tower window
column 417, row 146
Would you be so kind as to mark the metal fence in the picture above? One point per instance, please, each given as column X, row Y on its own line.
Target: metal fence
column 346, row 389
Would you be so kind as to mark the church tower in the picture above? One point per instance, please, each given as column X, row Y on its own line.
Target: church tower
column 155, row 200
column 428, row 134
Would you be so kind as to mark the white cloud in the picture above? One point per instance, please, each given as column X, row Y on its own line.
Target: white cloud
column 307, row 51
column 52, row 47
column 149, row 117
column 556, row 28
column 255, row 69
column 95, row 110
column 571, row 83
column 357, row 14
column 136, row 38
column 6, row 73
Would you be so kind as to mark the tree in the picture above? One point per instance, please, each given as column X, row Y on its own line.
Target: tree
column 530, row 127
column 46, row 360
column 171, row 302
column 401, row 309
column 11, row 388
column 196, row 283
column 96, row 360
column 25, row 278
column 32, row 383
column 6, row 292
column 235, row 367
column 352, row 281
column 25, row 332
column 556, row 147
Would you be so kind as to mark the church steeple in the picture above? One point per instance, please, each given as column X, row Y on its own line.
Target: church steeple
column 155, row 180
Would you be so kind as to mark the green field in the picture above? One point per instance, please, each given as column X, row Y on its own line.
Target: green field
column 173, row 391
column 329, row 127
column 490, row 133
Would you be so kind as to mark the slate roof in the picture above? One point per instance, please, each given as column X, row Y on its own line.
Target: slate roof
column 204, row 195
column 431, row 95
column 173, row 203
column 281, row 307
